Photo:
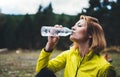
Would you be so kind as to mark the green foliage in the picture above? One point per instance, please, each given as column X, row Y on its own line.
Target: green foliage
column 8, row 31
column 94, row 3
column 108, row 17
column 23, row 31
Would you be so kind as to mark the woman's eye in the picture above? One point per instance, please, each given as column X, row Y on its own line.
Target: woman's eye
column 79, row 25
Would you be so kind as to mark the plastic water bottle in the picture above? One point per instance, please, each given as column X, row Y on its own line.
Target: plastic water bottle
column 53, row 31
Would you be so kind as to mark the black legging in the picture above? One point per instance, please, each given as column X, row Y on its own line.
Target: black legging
column 45, row 72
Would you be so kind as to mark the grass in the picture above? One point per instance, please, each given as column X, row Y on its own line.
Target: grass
column 23, row 64
column 18, row 65
column 116, row 63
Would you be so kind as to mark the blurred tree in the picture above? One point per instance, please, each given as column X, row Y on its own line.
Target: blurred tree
column 118, row 1
column 105, row 2
column 44, row 17
column 21, row 31
column 63, row 20
column 48, row 17
column 8, row 31
column 112, row 28
column 94, row 4
column 2, row 22
column 106, row 11
column 37, row 26
column 24, row 33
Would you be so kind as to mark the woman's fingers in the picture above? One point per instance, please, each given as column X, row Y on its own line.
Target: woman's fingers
column 58, row 26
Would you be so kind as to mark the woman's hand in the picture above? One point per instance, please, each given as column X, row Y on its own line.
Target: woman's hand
column 52, row 41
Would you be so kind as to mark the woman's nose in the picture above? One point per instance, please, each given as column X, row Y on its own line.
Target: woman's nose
column 73, row 28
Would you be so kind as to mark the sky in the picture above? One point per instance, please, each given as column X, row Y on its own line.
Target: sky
column 70, row 7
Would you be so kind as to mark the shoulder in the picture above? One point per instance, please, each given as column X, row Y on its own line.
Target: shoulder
column 68, row 52
column 103, row 63
column 107, row 71
column 105, row 68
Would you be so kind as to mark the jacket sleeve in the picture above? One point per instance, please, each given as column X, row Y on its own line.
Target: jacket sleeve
column 107, row 71
column 54, row 64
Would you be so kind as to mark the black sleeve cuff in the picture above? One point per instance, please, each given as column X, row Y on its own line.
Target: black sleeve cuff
column 48, row 50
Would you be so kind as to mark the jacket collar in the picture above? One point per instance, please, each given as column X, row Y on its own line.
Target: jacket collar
column 87, row 57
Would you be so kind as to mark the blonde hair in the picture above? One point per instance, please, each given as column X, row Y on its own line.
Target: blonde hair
column 97, row 42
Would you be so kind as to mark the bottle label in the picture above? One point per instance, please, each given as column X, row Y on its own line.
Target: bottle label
column 53, row 31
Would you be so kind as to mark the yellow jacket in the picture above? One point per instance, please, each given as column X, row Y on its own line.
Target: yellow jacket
column 92, row 65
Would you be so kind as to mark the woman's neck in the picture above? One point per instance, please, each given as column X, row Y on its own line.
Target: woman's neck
column 83, row 48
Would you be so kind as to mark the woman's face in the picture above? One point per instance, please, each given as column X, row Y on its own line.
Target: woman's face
column 79, row 31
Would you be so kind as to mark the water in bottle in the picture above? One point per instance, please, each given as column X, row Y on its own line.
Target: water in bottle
column 53, row 31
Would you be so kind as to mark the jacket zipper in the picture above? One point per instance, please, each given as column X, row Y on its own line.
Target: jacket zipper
column 79, row 64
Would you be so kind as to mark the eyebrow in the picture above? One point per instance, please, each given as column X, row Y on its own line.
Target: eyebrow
column 78, row 22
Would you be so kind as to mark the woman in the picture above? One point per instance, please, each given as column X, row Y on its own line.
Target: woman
column 83, row 59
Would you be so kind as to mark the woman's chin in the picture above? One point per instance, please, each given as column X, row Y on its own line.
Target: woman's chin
column 72, row 38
